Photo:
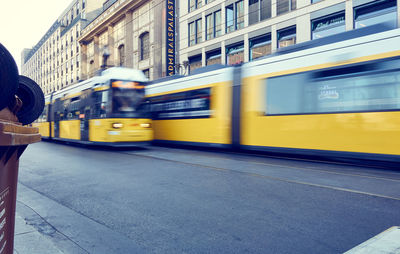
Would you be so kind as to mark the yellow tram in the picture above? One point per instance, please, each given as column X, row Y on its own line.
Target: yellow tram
column 108, row 109
column 328, row 98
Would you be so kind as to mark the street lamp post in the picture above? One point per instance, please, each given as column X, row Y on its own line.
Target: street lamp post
column 106, row 54
column 179, row 67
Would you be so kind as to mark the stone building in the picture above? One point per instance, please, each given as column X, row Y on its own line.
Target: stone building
column 54, row 62
column 235, row 31
column 127, row 33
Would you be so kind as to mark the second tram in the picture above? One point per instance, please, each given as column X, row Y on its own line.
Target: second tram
column 336, row 99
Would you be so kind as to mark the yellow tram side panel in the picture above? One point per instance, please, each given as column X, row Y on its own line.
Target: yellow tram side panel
column 216, row 129
column 43, row 128
column 101, row 130
column 371, row 132
column 70, row 129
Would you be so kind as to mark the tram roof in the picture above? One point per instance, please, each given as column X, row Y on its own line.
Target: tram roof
column 118, row 73
column 124, row 73
column 208, row 68
column 164, row 79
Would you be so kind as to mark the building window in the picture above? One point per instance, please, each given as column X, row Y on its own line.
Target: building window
column 144, row 46
column 376, row 12
column 259, row 10
column 329, row 25
column 195, row 32
column 218, row 23
column 210, row 26
column 287, row 37
column 195, row 4
column 239, row 11
column 198, row 31
column 260, row 46
column 121, row 55
column 235, row 54
column 283, row 6
column 192, row 33
column 194, row 63
column 192, row 5
column 213, row 57
column 234, row 16
column 230, row 23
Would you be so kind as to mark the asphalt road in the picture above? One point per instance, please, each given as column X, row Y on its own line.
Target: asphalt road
column 165, row 200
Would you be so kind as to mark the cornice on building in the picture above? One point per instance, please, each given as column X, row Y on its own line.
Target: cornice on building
column 112, row 12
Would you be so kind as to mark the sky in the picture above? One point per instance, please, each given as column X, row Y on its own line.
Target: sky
column 24, row 22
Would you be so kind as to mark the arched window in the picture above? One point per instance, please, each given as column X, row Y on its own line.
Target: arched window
column 144, row 46
column 121, row 55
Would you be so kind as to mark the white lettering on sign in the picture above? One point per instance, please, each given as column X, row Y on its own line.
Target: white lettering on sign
column 3, row 247
column 3, row 223
column 3, row 195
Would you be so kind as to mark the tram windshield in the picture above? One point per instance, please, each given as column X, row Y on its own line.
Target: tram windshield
column 127, row 98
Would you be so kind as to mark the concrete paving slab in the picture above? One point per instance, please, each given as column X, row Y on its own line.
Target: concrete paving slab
column 387, row 242
column 28, row 240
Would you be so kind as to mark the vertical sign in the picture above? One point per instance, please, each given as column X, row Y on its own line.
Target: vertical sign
column 170, row 37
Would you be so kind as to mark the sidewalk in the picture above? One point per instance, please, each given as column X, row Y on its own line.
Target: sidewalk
column 28, row 240
column 44, row 226
column 34, row 235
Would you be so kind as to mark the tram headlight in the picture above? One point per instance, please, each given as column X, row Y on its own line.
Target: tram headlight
column 145, row 125
column 117, row 125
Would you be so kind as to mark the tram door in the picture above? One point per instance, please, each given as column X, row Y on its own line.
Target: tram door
column 56, row 124
column 85, row 114
column 85, row 125
column 236, row 98
column 57, row 118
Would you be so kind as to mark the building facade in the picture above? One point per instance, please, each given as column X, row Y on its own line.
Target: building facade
column 55, row 62
column 128, row 33
column 164, row 37
column 235, row 31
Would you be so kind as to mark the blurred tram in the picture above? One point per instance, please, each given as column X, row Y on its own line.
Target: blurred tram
column 336, row 97
column 104, row 110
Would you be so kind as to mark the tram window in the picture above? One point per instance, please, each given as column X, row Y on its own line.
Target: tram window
column 126, row 100
column 43, row 116
column 369, row 87
column 72, row 108
column 100, row 100
column 183, row 105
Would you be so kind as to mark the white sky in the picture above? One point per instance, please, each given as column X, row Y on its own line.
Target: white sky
column 24, row 22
